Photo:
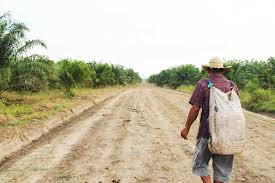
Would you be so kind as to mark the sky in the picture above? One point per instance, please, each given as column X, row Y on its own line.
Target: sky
column 149, row 35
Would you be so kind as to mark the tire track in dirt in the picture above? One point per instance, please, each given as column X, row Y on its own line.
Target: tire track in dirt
column 135, row 137
column 168, row 163
column 135, row 150
column 138, row 152
column 149, row 153
column 91, row 159
column 31, row 166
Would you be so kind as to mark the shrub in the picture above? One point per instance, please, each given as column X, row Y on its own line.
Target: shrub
column 257, row 98
column 72, row 73
column 177, row 76
column 252, row 85
column 186, row 88
column 30, row 74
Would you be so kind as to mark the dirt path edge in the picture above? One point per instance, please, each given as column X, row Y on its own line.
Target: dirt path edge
column 11, row 146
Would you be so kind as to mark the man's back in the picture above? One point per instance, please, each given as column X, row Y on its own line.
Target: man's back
column 200, row 98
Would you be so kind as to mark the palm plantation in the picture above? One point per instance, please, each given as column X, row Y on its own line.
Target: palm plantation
column 20, row 71
column 256, row 79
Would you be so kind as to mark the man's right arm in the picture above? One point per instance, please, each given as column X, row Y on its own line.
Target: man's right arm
column 196, row 101
column 192, row 116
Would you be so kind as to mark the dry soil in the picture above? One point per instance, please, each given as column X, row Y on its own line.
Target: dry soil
column 134, row 137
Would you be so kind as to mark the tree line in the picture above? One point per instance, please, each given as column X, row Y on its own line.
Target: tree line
column 176, row 76
column 246, row 74
column 22, row 72
column 255, row 78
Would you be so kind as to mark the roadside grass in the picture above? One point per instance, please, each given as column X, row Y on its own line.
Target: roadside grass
column 247, row 100
column 20, row 108
column 186, row 88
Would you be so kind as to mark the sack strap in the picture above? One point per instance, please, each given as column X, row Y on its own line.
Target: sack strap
column 210, row 84
column 231, row 85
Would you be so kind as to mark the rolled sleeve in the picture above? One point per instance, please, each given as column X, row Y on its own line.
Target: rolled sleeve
column 197, row 96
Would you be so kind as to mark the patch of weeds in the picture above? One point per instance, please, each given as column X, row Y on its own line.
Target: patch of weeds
column 186, row 88
column 58, row 107
column 12, row 123
column 35, row 169
column 268, row 106
column 165, row 168
column 259, row 101
column 36, row 115
column 20, row 110
column 245, row 98
column 69, row 94
column 66, row 175
column 15, row 109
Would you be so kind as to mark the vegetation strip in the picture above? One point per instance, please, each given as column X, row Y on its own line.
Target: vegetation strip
column 38, row 93
column 31, row 85
column 255, row 79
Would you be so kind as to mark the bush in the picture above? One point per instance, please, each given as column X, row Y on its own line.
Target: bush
column 30, row 74
column 113, row 74
column 267, row 106
column 186, row 88
column 177, row 76
column 258, row 97
column 72, row 73
column 252, row 85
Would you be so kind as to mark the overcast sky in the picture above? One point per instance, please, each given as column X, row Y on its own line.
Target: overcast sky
column 149, row 35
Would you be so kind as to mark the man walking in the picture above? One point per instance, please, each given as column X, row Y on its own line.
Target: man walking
column 222, row 164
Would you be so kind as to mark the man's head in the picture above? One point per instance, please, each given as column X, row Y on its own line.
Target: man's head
column 215, row 66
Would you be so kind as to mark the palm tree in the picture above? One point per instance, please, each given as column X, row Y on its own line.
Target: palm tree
column 30, row 73
column 13, row 45
column 12, row 40
column 74, row 72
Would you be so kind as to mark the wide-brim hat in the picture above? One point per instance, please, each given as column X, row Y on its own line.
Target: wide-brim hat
column 216, row 63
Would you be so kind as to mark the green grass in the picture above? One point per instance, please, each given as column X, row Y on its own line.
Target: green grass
column 21, row 108
column 245, row 98
column 14, row 109
column 268, row 106
column 186, row 88
column 58, row 107
column 264, row 105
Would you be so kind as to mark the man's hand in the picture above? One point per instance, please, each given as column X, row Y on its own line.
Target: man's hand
column 192, row 116
column 184, row 133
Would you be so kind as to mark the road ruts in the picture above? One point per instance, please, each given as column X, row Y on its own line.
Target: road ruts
column 134, row 137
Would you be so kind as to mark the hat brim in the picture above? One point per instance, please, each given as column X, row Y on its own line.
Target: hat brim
column 206, row 67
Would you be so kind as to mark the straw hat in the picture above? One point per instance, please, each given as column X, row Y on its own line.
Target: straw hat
column 215, row 63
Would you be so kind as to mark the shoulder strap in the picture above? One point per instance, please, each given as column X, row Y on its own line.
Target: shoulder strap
column 231, row 85
column 210, row 84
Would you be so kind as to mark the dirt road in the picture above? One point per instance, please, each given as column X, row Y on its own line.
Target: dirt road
column 134, row 137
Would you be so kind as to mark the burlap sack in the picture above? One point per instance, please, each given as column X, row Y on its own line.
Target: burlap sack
column 226, row 123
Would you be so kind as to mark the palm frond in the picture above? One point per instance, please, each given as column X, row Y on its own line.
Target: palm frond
column 29, row 45
column 17, row 30
column 5, row 15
